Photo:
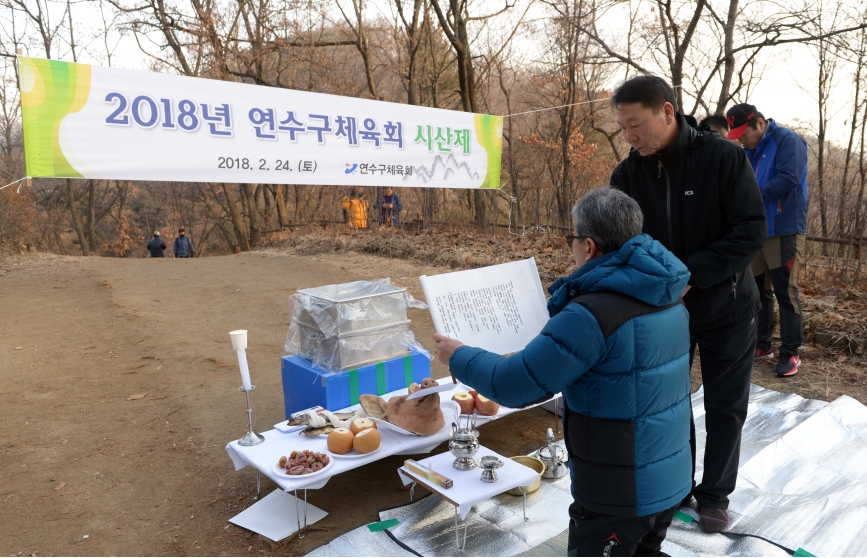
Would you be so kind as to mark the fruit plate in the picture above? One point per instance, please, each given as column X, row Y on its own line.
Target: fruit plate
column 283, row 474
column 355, row 455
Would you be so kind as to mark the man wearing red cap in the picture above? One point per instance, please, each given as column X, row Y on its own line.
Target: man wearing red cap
column 779, row 158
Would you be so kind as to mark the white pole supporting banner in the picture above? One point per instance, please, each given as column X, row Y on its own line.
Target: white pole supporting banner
column 83, row 121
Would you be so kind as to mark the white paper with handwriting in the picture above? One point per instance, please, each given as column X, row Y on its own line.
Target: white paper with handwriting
column 499, row 308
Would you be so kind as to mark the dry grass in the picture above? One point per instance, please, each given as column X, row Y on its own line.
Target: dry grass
column 440, row 247
column 829, row 306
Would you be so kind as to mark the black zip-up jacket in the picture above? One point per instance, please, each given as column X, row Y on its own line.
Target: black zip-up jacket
column 701, row 201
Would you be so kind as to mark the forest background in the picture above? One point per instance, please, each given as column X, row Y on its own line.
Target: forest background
column 550, row 64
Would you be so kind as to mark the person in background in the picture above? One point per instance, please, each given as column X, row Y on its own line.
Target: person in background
column 701, row 201
column 779, row 157
column 183, row 245
column 389, row 207
column 156, row 246
column 344, row 206
column 617, row 347
column 716, row 123
column 358, row 206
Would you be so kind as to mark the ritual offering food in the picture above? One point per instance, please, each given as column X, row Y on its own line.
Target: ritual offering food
column 367, row 441
column 466, row 401
column 323, row 420
column 360, row 424
column 340, row 441
column 485, row 406
column 422, row 416
column 303, row 462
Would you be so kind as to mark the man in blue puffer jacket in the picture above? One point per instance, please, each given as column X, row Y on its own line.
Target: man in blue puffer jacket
column 617, row 347
column 779, row 158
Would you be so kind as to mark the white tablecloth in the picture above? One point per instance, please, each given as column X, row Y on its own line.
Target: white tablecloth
column 468, row 488
column 276, row 444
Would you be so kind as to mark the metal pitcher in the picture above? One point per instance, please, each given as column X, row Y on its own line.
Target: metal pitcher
column 554, row 457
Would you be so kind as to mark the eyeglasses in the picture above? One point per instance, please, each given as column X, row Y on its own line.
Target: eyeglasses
column 571, row 238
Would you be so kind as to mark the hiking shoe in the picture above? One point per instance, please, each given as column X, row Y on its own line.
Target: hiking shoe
column 714, row 520
column 762, row 353
column 788, row 365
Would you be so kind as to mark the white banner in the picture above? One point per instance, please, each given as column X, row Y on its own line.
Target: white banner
column 83, row 121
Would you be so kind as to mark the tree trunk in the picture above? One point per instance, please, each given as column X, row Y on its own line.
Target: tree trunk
column 729, row 67
column 82, row 241
column 280, row 201
column 235, row 215
column 91, row 215
column 252, row 212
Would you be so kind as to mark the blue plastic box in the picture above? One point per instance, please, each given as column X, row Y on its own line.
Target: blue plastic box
column 306, row 385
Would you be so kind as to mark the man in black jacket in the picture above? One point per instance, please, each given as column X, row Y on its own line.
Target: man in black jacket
column 701, row 201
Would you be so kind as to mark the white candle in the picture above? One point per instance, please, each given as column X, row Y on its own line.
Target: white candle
column 239, row 343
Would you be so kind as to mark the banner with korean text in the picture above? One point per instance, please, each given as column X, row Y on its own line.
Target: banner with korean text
column 83, row 121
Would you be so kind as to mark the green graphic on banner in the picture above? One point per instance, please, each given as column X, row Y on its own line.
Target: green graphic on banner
column 50, row 90
column 489, row 130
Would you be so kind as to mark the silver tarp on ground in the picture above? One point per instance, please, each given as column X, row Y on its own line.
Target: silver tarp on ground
column 801, row 485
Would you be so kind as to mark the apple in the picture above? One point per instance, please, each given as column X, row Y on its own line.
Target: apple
column 486, row 407
column 466, row 401
column 473, row 392
column 361, row 423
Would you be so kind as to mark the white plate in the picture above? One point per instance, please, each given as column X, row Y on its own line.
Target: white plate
column 451, row 410
column 435, row 389
column 280, row 472
column 388, row 426
column 355, row 455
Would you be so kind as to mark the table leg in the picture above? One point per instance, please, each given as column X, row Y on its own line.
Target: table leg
column 302, row 529
column 458, row 544
column 258, row 485
column 411, row 492
column 558, row 413
column 457, row 530
column 524, row 494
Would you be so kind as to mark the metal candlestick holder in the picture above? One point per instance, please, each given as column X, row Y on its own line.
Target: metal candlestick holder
column 251, row 438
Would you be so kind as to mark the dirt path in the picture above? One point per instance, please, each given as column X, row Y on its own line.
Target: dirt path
column 149, row 476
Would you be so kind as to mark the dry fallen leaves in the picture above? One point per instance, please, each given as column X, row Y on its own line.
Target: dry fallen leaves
column 841, row 359
column 136, row 396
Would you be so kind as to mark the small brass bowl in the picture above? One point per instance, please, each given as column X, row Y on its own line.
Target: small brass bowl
column 533, row 463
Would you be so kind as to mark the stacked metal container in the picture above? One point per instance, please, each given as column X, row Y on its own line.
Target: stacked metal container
column 344, row 326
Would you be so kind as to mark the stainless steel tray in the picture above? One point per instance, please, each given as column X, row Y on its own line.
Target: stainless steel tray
column 357, row 348
column 350, row 307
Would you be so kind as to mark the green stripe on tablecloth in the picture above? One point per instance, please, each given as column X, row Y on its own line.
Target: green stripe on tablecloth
column 380, row 378
column 353, row 387
column 407, row 370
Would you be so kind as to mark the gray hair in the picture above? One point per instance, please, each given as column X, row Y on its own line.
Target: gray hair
column 609, row 217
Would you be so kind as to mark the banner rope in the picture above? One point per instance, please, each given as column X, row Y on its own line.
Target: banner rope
column 570, row 105
column 20, row 181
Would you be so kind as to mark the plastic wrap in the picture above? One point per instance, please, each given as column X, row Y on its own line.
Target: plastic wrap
column 354, row 349
column 351, row 324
